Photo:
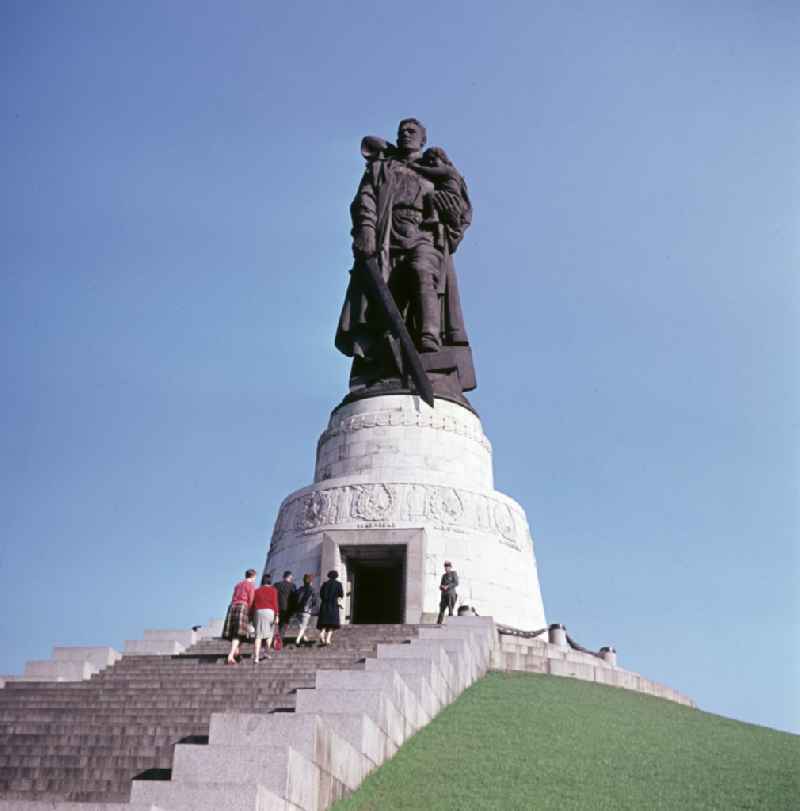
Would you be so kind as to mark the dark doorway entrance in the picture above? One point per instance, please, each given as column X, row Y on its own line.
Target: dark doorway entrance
column 377, row 583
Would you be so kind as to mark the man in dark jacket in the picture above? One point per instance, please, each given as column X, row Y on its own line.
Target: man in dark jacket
column 286, row 599
column 448, row 589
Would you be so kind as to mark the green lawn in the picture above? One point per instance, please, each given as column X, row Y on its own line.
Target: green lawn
column 518, row 740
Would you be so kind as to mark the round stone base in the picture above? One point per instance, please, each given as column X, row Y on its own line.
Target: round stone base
column 400, row 484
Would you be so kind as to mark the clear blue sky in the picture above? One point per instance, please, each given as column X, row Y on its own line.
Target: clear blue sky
column 174, row 246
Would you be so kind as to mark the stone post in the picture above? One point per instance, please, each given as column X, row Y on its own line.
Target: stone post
column 557, row 635
column 609, row 655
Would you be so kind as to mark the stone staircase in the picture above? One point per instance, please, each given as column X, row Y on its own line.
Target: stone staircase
column 349, row 723
column 299, row 731
column 86, row 741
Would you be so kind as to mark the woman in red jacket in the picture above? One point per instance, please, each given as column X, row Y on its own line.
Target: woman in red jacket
column 265, row 608
column 237, row 620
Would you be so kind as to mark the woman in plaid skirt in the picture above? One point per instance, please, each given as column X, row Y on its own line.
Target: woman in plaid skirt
column 237, row 620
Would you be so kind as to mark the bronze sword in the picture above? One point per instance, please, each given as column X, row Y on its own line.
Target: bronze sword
column 382, row 297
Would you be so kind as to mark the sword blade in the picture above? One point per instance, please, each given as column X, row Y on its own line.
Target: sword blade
column 383, row 299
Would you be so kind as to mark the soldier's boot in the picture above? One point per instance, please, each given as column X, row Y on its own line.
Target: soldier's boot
column 430, row 339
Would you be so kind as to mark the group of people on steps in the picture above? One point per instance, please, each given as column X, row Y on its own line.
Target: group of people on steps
column 272, row 607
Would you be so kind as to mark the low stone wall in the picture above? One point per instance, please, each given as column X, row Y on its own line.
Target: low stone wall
column 539, row 656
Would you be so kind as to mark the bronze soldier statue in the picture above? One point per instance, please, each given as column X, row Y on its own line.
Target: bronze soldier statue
column 409, row 215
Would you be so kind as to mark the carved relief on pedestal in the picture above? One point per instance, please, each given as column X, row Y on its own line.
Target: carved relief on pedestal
column 373, row 502
column 504, row 520
column 444, row 504
column 449, row 508
column 416, row 501
column 316, row 509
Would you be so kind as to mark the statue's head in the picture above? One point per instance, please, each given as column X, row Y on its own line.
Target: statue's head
column 411, row 135
column 436, row 156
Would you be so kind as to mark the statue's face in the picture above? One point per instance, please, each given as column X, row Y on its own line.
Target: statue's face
column 410, row 137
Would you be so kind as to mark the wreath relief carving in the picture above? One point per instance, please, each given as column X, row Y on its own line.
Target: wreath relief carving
column 444, row 504
column 380, row 503
column 373, row 502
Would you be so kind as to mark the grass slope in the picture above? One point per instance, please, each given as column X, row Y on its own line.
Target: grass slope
column 518, row 740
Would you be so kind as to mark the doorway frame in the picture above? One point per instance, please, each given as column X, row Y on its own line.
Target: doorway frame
column 414, row 541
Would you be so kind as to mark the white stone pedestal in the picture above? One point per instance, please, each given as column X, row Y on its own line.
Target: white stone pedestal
column 392, row 471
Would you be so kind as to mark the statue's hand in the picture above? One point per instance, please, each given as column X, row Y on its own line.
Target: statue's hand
column 449, row 206
column 364, row 243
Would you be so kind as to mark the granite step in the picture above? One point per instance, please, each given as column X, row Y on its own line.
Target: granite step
column 87, row 742
column 155, row 725
column 67, row 755
column 143, row 699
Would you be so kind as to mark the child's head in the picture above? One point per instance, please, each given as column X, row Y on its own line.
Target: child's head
column 435, row 156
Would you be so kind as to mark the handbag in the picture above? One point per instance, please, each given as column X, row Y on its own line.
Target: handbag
column 277, row 642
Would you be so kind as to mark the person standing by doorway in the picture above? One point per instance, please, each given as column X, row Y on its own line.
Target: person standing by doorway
column 448, row 589
column 286, row 592
column 331, row 594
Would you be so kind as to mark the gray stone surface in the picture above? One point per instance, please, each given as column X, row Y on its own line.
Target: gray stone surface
column 574, row 670
column 617, row 678
column 211, row 796
column 584, row 658
column 158, row 647
column 47, row 805
column 389, row 682
column 435, row 653
column 184, row 636
column 259, row 729
column 280, row 769
column 421, row 688
column 609, row 655
column 374, row 703
column 476, row 637
column 484, row 624
column 464, row 667
column 98, row 657
column 421, row 675
column 528, row 662
column 510, row 643
column 557, row 635
column 306, row 733
column 48, row 670
column 9, row 678
column 363, row 734
column 213, row 628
